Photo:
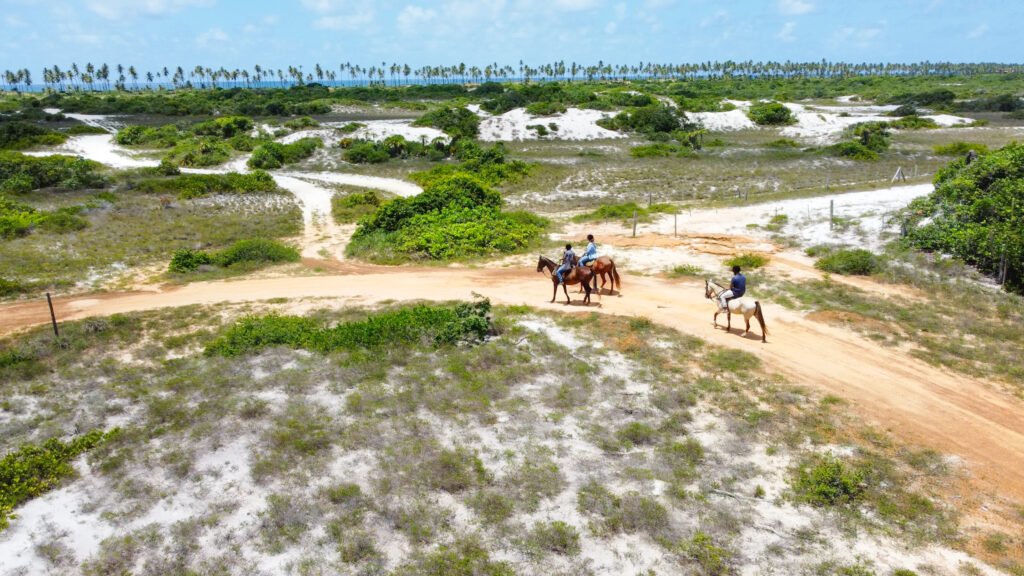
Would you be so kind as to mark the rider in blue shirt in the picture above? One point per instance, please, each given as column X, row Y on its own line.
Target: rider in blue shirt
column 590, row 254
column 737, row 288
column 568, row 260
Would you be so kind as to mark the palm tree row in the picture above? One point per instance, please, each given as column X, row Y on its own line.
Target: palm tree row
column 102, row 77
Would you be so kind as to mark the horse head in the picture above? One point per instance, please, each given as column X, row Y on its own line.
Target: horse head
column 540, row 263
column 709, row 292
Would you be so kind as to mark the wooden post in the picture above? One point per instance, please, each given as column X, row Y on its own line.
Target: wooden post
column 650, row 199
column 831, row 214
column 634, row 223
column 53, row 316
column 1003, row 269
column 828, row 182
column 675, row 225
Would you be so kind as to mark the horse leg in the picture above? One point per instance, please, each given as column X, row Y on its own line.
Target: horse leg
column 566, row 290
column 747, row 320
column 554, row 290
column 728, row 318
column 715, row 319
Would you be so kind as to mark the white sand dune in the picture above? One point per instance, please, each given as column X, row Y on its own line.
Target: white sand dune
column 574, row 124
column 102, row 149
column 723, row 121
column 378, row 130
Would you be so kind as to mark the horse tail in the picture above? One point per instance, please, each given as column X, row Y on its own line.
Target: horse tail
column 616, row 282
column 760, row 318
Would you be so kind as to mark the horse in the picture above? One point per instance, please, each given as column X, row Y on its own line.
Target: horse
column 739, row 305
column 604, row 266
column 578, row 275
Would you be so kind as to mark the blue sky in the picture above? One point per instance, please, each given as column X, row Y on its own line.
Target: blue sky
column 235, row 33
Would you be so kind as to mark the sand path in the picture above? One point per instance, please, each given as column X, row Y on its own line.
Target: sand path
column 919, row 403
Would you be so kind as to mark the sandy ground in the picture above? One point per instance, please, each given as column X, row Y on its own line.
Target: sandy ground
column 919, row 403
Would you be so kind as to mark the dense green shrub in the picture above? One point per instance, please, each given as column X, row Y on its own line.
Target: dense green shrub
column 21, row 135
column 17, row 219
column 826, row 481
column 351, row 207
column 34, row 470
column 166, row 136
column 436, row 325
column 903, row 110
column 959, row 148
column 11, row 288
column 84, row 130
column 371, row 152
column 661, row 150
column 747, row 261
column 50, row 171
column 456, row 122
column 651, row 119
column 188, row 186
column 852, row 149
column 771, row 114
column 546, row 108
column 224, row 127
column 186, row 260
column 249, row 252
column 998, row 103
column 849, row 262
column 913, row 123
column 783, row 143
column 198, row 152
column 937, row 98
column 975, row 213
column 491, row 165
column 275, row 155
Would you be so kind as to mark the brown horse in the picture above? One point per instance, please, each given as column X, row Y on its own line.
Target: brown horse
column 604, row 266
column 578, row 275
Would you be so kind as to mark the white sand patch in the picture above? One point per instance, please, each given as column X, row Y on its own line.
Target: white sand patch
column 574, row 124
column 393, row 185
column 723, row 121
column 329, row 137
column 822, row 125
column 100, row 148
column 947, row 120
column 378, row 130
column 808, row 217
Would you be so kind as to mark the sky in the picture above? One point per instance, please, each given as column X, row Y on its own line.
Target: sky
column 150, row 34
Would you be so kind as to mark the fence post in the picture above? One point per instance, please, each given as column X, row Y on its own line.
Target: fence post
column 831, row 214
column 634, row 223
column 650, row 199
column 53, row 316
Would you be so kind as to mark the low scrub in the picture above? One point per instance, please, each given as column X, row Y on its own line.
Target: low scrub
column 430, row 324
column 198, row 152
column 858, row 262
column 783, row 144
column 748, row 261
column 455, row 218
column 22, row 135
column 348, row 208
column 257, row 251
column 661, row 150
column 34, row 470
column 771, row 114
column 456, row 122
column 490, row 165
column 392, row 147
column 854, row 150
column 20, row 173
column 17, row 219
column 624, row 212
column 188, row 186
column 274, row 155
column 827, row 481
column 959, row 148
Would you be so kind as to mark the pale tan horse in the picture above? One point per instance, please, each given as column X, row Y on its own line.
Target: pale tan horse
column 738, row 305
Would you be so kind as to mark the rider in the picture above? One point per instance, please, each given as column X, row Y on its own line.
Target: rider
column 737, row 287
column 590, row 254
column 568, row 258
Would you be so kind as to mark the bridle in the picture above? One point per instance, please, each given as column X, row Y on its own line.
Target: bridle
column 708, row 288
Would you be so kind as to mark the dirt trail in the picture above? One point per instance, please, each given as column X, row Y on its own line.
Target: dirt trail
column 919, row 403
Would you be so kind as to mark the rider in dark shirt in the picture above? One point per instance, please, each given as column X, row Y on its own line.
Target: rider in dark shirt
column 737, row 287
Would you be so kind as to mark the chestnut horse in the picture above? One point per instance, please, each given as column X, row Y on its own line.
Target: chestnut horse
column 713, row 290
column 605, row 266
column 578, row 275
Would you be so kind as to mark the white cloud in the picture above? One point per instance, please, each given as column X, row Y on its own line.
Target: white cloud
column 118, row 9
column 340, row 14
column 573, row 5
column 795, row 7
column 860, row 37
column 786, row 33
column 716, row 18
column 411, row 18
column 978, row 31
column 211, row 36
column 611, row 27
column 352, row 21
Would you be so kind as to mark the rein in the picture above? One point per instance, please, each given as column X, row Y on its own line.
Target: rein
column 719, row 292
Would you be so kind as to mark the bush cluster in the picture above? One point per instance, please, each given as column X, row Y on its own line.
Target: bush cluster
column 771, row 114
column 21, row 135
column 491, row 165
column 34, row 470
column 252, row 251
column 858, row 262
column 371, row 152
column 959, row 148
column 747, row 261
column 20, row 173
column 428, row 324
column 350, row 208
column 975, row 213
column 17, row 219
column 273, row 155
column 187, row 186
column 456, row 217
column 624, row 212
column 456, row 122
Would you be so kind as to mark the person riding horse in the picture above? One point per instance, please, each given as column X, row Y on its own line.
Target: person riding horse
column 590, row 254
column 737, row 288
column 568, row 261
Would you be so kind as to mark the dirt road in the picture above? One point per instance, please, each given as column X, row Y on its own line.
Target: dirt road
column 919, row 403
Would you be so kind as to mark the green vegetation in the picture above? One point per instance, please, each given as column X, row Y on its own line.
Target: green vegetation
column 959, row 148
column 701, row 548
column 858, row 262
column 661, row 150
column 977, row 213
column 273, row 155
column 771, row 114
column 439, row 325
column 371, row 152
column 748, row 261
column 455, row 218
column 348, row 208
column 557, row 537
column 826, row 481
column 624, row 213
column 783, row 144
column 206, row 143
column 456, row 122
column 21, row 135
column 33, row 470
column 190, row 186
column 463, row 558
column 630, row 513
column 18, row 219
column 247, row 253
column 20, row 174
column 491, row 165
